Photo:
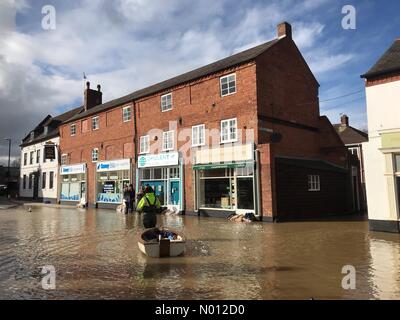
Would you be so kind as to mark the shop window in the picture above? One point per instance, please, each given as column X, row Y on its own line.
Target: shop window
column 73, row 129
column 198, row 135
column 95, row 123
column 215, row 193
column 222, row 172
column 110, row 186
column 146, row 174
column 228, row 84
column 166, row 102
column 229, row 130
column 314, row 183
column 245, row 172
column 145, row 144
column 174, row 173
column 168, row 140
column 157, row 173
column 397, row 162
column 95, row 155
column 126, row 114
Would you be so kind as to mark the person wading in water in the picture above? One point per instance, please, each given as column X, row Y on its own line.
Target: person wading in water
column 150, row 206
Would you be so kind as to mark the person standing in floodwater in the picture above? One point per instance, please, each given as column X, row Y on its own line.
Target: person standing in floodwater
column 126, row 198
column 131, row 198
column 150, row 206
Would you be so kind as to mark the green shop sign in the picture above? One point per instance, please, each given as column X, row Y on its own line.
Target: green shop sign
column 222, row 165
column 391, row 140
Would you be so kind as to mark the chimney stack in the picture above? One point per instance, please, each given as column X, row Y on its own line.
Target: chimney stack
column 284, row 30
column 92, row 97
column 344, row 119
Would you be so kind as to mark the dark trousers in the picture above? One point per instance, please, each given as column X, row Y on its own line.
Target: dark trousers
column 149, row 219
column 126, row 207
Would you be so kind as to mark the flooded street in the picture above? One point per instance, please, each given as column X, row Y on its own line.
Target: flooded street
column 95, row 255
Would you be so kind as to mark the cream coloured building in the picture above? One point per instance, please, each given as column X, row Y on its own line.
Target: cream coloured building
column 382, row 152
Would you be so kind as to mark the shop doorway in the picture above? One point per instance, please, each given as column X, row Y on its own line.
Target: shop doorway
column 174, row 196
column 159, row 189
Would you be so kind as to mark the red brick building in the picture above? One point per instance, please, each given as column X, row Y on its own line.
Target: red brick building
column 243, row 134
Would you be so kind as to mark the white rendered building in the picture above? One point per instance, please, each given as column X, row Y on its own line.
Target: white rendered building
column 382, row 152
column 39, row 176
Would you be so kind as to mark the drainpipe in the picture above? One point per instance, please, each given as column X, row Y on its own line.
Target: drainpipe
column 134, row 144
column 257, row 187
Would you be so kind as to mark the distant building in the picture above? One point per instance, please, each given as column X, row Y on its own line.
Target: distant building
column 39, row 176
column 382, row 152
column 353, row 140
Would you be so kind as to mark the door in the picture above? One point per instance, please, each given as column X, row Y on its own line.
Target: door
column 245, row 194
column 158, row 187
column 35, row 178
column 174, row 193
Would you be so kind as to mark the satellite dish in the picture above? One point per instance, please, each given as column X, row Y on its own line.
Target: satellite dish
column 275, row 137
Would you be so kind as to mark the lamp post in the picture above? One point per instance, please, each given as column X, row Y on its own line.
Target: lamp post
column 8, row 170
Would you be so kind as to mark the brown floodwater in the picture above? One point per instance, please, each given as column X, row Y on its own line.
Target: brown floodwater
column 95, row 255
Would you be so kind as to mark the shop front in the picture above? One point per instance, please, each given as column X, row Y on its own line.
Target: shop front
column 226, row 181
column 73, row 183
column 111, row 178
column 164, row 173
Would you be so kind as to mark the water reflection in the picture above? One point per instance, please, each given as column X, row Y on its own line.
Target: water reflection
column 95, row 254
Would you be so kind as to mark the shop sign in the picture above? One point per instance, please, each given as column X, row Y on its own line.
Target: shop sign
column 222, row 165
column 158, row 160
column 49, row 151
column 115, row 165
column 73, row 169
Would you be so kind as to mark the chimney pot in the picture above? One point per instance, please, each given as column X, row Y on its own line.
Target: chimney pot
column 98, row 87
column 87, row 84
column 284, row 30
column 344, row 119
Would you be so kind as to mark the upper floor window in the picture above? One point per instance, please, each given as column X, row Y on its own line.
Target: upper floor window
column 168, row 140
column 73, row 129
column 228, row 84
column 95, row 123
column 166, row 102
column 25, row 159
column 31, row 157
column 145, row 144
column 229, row 130
column 198, row 135
column 64, row 159
column 37, row 156
column 126, row 114
column 314, row 183
column 95, row 155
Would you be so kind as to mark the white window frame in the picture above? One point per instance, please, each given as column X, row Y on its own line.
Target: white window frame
column 144, row 144
column 229, row 140
column 314, row 182
column 73, row 131
column 64, row 159
column 220, row 84
column 124, row 116
column 97, row 122
column 165, row 143
column 162, row 104
column 97, row 154
column 196, row 139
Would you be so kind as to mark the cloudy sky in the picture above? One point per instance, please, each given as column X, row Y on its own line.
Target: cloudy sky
column 127, row 44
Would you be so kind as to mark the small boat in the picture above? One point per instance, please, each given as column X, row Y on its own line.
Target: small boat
column 162, row 242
